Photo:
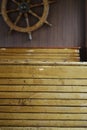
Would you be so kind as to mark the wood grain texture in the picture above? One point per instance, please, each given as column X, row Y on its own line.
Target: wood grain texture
column 43, row 72
column 14, row 81
column 43, row 123
column 34, row 55
column 40, row 88
column 39, row 128
column 44, row 102
column 74, row 50
column 44, row 109
column 42, row 95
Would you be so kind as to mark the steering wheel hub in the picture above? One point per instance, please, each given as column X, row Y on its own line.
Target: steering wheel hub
column 24, row 7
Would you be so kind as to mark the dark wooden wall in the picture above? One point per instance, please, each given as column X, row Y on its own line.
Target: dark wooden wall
column 86, row 23
column 68, row 19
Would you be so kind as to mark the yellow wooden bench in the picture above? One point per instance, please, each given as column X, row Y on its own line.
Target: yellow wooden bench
column 42, row 95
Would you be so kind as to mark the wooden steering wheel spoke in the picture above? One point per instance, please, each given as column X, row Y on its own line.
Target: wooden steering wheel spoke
column 11, row 11
column 41, row 4
column 16, row 2
column 17, row 20
column 38, row 17
column 28, row 25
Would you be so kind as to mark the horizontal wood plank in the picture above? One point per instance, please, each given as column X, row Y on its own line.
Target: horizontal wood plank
column 41, row 109
column 36, row 123
column 43, row 88
column 39, row 60
column 39, row 128
column 38, row 55
column 43, row 71
column 35, row 116
column 43, row 95
column 25, row 50
column 51, row 82
column 43, row 102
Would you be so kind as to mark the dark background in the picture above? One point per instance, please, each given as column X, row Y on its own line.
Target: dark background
column 68, row 30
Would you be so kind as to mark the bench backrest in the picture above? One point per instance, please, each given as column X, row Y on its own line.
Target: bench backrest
column 38, row 55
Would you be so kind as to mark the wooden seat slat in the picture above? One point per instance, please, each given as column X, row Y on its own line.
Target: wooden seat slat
column 44, row 102
column 62, row 57
column 43, row 123
column 35, row 71
column 44, row 109
column 55, row 58
column 40, row 128
column 41, row 50
column 38, row 61
column 45, row 95
column 46, row 88
column 37, row 56
column 42, row 116
column 52, row 82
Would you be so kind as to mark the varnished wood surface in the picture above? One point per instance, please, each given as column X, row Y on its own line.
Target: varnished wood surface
column 39, row 50
column 38, row 55
column 39, row 128
column 42, row 95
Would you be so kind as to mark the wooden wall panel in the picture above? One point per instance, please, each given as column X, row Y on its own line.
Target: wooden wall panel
column 86, row 26
column 86, row 23
column 67, row 17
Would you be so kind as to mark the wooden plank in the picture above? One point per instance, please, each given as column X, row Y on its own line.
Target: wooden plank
column 36, row 61
column 52, row 82
column 43, row 95
column 41, row 116
column 42, row 60
column 43, row 71
column 41, row 109
column 39, row 88
column 39, row 128
column 43, row 102
column 58, row 59
column 22, row 50
column 39, row 55
column 39, row 123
